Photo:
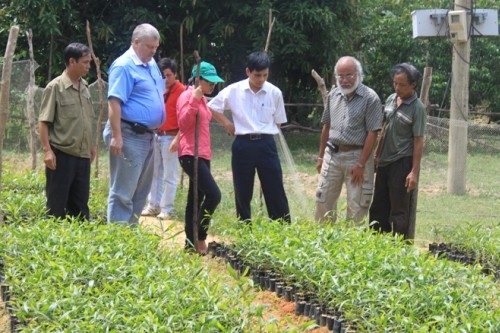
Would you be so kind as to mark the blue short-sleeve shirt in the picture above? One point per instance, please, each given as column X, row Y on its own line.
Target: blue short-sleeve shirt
column 140, row 88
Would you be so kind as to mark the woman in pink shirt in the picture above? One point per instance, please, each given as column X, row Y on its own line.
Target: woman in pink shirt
column 190, row 103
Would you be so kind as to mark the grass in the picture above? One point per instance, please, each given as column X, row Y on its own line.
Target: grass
column 437, row 213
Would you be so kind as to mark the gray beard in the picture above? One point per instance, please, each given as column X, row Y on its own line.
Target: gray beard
column 349, row 90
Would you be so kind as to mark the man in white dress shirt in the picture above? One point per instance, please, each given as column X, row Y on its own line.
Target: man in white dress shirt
column 258, row 110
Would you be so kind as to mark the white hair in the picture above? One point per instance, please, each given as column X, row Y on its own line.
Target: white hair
column 359, row 68
column 145, row 31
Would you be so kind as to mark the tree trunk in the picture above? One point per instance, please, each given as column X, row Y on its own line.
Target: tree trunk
column 426, row 85
column 271, row 23
column 31, row 103
column 181, row 62
column 51, row 51
column 321, row 86
column 5, row 91
column 101, row 101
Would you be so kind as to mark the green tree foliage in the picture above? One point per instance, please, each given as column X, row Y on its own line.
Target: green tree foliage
column 307, row 34
column 386, row 39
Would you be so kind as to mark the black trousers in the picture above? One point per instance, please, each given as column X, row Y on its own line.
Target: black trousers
column 209, row 197
column 68, row 186
column 248, row 156
column 391, row 202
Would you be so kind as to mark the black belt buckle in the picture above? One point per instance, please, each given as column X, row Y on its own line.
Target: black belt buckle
column 137, row 127
column 140, row 128
column 254, row 136
column 332, row 147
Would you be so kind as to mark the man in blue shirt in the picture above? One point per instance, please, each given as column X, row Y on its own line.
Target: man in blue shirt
column 136, row 109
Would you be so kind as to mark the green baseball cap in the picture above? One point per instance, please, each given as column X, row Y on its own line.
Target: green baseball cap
column 207, row 72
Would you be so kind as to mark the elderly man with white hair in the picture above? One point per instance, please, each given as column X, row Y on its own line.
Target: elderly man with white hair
column 351, row 119
column 136, row 110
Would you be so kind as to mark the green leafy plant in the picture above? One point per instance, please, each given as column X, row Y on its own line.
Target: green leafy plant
column 376, row 280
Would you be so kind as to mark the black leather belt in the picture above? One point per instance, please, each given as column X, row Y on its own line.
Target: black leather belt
column 138, row 127
column 256, row 136
column 334, row 148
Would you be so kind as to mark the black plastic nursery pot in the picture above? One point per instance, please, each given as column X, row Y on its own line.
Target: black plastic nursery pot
column 448, row 251
column 280, row 286
column 306, row 303
column 4, row 291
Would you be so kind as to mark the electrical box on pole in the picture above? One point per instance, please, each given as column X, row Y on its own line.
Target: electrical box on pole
column 436, row 22
column 458, row 25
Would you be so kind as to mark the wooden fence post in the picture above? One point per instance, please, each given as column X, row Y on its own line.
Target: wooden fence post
column 424, row 96
column 31, row 103
column 101, row 101
column 5, row 91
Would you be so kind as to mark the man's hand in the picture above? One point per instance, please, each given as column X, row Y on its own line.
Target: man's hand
column 357, row 172
column 229, row 128
column 50, row 159
column 319, row 163
column 93, row 153
column 116, row 145
column 411, row 181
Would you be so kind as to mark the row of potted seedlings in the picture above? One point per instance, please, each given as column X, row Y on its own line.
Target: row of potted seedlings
column 453, row 253
column 5, row 299
column 306, row 303
column 376, row 281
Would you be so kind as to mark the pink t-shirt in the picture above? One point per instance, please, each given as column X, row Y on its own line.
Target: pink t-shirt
column 187, row 107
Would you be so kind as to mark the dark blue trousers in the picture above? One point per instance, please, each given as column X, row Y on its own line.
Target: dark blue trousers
column 209, row 197
column 250, row 155
column 68, row 186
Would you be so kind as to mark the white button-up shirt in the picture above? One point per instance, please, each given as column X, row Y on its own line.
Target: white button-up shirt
column 252, row 112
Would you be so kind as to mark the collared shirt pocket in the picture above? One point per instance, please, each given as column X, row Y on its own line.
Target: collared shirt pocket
column 68, row 108
column 265, row 114
column 403, row 124
column 88, row 106
column 404, row 119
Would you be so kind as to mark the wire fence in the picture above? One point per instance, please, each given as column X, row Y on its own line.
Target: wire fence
column 482, row 139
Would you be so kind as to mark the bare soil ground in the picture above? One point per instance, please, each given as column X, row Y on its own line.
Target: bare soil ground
column 4, row 319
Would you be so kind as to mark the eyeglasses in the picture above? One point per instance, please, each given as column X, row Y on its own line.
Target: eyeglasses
column 347, row 76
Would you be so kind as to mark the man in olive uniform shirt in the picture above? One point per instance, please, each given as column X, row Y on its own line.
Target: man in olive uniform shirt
column 65, row 126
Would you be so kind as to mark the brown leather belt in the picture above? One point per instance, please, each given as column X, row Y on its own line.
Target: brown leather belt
column 346, row 148
column 169, row 132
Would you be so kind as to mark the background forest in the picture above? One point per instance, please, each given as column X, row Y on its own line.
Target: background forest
column 307, row 34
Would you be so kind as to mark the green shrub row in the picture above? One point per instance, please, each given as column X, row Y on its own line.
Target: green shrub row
column 70, row 277
column 376, row 280
column 23, row 196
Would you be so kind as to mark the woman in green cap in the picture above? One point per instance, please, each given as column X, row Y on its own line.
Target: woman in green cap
column 192, row 102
